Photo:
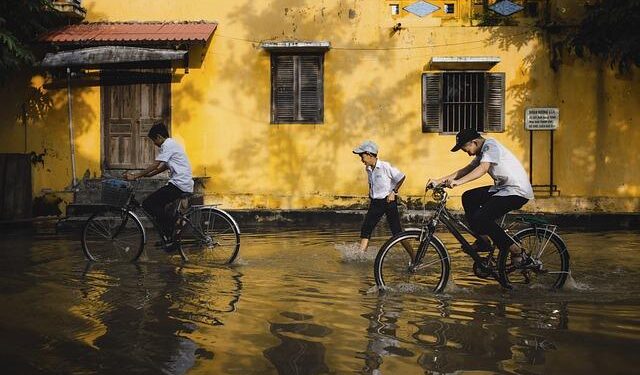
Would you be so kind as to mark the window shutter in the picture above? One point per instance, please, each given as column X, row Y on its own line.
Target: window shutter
column 494, row 102
column 283, row 88
column 431, row 102
column 311, row 92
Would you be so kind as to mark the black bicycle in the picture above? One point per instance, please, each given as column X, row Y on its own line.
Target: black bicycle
column 206, row 234
column 546, row 254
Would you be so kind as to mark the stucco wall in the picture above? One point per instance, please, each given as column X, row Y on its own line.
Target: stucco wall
column 221, row 109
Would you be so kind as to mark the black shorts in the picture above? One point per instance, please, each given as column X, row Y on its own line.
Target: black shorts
column 377, row 208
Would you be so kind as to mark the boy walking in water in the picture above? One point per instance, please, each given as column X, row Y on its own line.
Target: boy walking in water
column 384, row 183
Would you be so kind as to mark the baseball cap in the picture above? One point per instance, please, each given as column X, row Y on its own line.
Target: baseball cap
column 464, row 136
column 368, row 147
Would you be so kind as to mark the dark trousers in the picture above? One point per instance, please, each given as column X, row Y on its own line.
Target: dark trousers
column 482, row 209
column 157, row 204
column 377, row 208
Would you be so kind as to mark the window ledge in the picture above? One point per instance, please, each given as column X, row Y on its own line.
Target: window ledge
column 463, row 62
column 296, row 46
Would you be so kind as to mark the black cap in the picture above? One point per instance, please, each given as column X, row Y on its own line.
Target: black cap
column 464, row 136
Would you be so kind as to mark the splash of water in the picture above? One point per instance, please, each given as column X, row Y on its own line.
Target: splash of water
column 350, row 252
column 572, row 284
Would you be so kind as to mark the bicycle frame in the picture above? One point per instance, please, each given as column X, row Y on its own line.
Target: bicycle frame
column 442, row 215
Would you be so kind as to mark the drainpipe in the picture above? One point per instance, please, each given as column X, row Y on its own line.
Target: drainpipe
column 74, row 182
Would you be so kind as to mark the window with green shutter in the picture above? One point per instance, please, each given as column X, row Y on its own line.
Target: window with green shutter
column 297, row 94
column 452, row 101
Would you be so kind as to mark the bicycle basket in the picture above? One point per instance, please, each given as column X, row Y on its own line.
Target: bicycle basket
column 115, row 192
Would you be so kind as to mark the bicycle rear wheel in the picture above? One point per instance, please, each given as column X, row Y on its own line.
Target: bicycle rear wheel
column 550, row 260
column 113, row 234
column 210, row 236
column 393, row 269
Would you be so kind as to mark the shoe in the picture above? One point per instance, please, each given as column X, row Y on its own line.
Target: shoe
column 521, row 260
column 477, row 246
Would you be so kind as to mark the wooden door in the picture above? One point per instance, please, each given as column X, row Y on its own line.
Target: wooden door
column 129, row 111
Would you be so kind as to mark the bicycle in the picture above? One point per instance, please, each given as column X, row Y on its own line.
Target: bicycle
column 115, row 232
column 547, row 253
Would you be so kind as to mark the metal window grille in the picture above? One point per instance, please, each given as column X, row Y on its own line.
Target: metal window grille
column 463, row 101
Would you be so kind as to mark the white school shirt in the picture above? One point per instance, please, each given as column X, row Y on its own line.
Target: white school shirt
column 507, row 172
column 383, row 177
column 179, row 168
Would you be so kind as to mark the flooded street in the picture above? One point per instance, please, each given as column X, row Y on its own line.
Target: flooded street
column 300, row 302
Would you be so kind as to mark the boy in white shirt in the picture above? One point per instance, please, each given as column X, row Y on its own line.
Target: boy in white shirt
column 484, row 205
column 384, row 183
column 173, row 158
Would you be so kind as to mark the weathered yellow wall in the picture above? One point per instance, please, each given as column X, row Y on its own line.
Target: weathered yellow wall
column 221, row 109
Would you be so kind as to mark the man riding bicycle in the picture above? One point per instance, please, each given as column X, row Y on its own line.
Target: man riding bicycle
column 173, row 158
column 484, row 205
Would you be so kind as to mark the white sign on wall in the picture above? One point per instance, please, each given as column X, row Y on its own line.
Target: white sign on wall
column 541, row 118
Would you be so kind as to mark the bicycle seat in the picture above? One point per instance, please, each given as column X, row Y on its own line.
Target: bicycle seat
column 533, row 220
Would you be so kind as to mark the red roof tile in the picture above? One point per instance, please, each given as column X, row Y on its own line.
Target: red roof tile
column 113, row 32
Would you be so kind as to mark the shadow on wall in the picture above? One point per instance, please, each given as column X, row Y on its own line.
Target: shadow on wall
column 597, row 119
column 307, row 155
column 36, row 123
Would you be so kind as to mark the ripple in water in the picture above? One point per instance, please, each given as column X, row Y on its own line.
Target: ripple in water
column 351, row 253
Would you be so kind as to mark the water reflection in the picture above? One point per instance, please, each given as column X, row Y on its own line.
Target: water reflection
column 296, row 305
column 450, row 335
column 145, row 312
column 297, row 352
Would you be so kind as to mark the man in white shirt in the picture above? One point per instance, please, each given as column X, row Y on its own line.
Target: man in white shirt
column 384, row 183
column 173, row 158
column 484, row 205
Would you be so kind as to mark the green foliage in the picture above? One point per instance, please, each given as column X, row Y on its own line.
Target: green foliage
column 610, row 31
column 21, row 21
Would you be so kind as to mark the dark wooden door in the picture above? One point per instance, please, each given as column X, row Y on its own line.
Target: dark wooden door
column 15, row 186
column 129, row 111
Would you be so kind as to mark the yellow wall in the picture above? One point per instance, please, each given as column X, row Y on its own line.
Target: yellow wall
column 221, row 108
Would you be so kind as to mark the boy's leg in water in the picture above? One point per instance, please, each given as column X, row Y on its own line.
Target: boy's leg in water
column 371, row 219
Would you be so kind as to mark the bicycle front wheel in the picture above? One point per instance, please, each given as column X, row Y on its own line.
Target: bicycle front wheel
column 111, row 235
column 393, row 268
column 210, row 236
column 549, row 266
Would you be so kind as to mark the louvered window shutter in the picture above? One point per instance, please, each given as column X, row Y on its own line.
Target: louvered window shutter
column 431, row 102
column 282, row 88
column 494, row 102
column 311, row 98
column 297, row 89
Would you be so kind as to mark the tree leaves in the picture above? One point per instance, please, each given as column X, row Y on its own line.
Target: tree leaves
column 21, row 23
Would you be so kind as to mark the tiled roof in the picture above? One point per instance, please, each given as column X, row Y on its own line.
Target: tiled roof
column 131, row 32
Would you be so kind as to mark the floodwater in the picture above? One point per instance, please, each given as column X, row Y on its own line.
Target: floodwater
column 301, row 302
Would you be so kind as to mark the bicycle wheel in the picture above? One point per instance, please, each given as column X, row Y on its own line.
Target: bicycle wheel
column 210, row 236
column 550, row 260
column 113, row 234
column 393, row 269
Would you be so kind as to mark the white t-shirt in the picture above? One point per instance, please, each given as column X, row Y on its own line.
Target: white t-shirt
column 179, row 168
column 383, row 177
column 508, row 174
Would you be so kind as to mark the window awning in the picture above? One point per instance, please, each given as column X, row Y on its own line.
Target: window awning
column 296, row 46
column 131, row 33
column 463, row 62
column 111, row 56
